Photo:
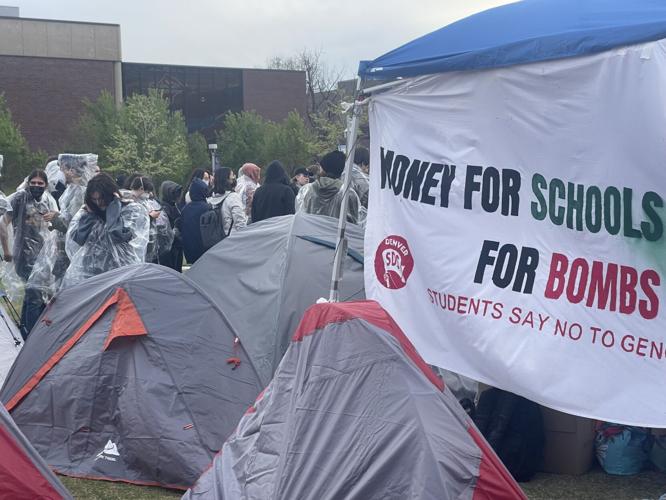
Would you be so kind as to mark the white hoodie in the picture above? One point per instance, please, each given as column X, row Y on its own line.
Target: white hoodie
column 232, row 210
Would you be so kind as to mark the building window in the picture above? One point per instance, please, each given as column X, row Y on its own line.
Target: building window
column 203, row 95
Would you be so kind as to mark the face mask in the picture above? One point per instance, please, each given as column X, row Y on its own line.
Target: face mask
column 144, row 196
column 36, row 192
column 233, row 184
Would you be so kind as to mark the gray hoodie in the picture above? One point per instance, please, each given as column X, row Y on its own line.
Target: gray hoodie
column 325, row 198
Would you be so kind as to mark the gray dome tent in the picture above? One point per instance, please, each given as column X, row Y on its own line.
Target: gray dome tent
column 265, row 276
column 132, row 375
column 354, row 412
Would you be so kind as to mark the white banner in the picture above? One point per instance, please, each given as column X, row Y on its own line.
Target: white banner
column 516, row 228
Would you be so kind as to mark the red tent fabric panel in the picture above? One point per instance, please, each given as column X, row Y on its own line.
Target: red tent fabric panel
column 60, row 353
column 127, row 322
column 373, row 313
column 19, row 478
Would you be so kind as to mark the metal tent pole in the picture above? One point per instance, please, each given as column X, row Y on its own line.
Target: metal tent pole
column 341, row 244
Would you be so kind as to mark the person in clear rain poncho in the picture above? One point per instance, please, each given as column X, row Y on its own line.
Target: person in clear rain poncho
column 107, row 232
column 160, row 235
column 52, row 261
column 32, row 212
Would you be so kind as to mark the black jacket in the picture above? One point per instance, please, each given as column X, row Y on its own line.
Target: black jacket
column 275, row 197
column 190, row 228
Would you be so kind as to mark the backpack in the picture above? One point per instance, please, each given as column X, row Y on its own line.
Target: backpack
column 211, row 225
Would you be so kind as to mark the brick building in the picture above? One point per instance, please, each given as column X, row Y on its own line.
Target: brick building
column 47, row 68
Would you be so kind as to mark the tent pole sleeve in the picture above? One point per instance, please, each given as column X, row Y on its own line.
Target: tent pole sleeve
column 383, row 86
column 341, row 244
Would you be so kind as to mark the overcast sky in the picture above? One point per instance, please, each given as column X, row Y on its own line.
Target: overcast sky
column 248, row 33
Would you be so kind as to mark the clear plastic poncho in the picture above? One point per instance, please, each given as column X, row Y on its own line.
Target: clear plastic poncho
column 95, row 245
column 301, row 196
column 30, row 228
column 12, row 284
column 7, row 274
column 161, row 234
column 52, row 261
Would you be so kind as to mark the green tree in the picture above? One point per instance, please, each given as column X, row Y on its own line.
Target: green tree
column 96, row 125
column 242, row 139
column 247, row 137
column 18, row 159
column 291, row 142
column 198, row 150
column 150, row 139
column 324, row 96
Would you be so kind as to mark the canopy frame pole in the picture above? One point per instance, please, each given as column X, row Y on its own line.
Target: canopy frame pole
column 341, row 243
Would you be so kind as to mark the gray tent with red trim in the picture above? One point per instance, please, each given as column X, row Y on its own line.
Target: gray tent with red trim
column 354, row 412
column 133, row 375
column 265, row 276
column 23, row 473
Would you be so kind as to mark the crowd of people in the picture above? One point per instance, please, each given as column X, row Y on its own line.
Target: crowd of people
column 70, row 221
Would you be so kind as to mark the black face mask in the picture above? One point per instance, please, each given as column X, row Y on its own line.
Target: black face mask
column 232, row 185
column 36, row 192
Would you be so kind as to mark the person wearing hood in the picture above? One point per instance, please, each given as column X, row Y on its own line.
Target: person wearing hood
column 31, row 214
column 248, row 182
column 52, row 262
column 190, row 228
column 325, row 194
column 170, row 193
column 106, row 233
column 233, row 212
column 197, row 173
column 275, row 197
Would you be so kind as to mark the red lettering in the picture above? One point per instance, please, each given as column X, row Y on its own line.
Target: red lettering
column 627, row 346
column 462, row 304
column 628, row 282
column 556, row 278
column 497, row 310
column 656, row 350
column 577, row 276
column 474, row 305
column 603, row 286
column 649, row 308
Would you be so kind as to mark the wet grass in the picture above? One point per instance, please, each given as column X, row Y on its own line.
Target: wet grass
column 591, row 486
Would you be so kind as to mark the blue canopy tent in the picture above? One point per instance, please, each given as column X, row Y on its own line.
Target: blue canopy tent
column 516, row 33
column 524, row 32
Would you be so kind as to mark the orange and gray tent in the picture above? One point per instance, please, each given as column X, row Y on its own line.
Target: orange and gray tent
column 23, row 473
column 266, row 275
column 354, row 412
column 133, row 375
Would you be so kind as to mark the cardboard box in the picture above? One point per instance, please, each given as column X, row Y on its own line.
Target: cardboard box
column 569, row 447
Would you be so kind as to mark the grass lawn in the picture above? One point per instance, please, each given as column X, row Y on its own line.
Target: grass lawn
column 107, row 490
column 593, row 485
